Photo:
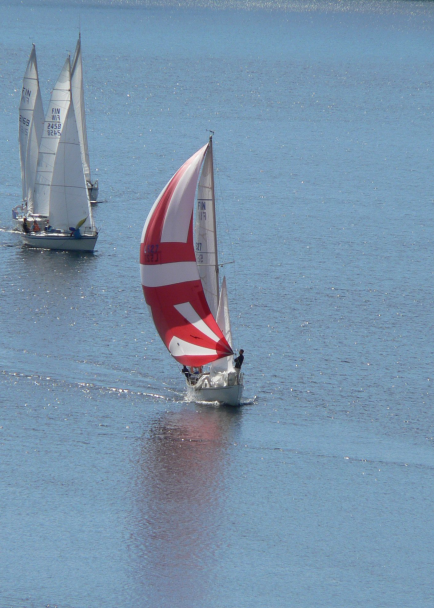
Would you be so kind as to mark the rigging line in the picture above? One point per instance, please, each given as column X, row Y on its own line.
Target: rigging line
column 219, row 264
column 226, row 263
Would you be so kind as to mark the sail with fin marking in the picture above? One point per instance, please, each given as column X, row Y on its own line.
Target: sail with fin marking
column 54, row 119
column 170, row 278
column 31, row 123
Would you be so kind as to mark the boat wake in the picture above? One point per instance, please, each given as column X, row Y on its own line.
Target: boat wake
column 8, row 230
column 242, row 403
column 252, row 401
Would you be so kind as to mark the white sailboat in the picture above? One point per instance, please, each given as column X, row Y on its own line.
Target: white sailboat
column 60, row 187
column 180, row 279
column 31, row 123
column 78, row 99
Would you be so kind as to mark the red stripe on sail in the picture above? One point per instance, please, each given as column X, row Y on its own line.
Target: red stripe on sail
column 166, row 253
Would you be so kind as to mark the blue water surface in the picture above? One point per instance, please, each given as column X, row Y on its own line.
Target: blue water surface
column 318, row 492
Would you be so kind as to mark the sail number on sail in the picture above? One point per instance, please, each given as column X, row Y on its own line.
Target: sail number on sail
column 24, row 121
column 54, row 128
column 199, row 256
column 152, row 255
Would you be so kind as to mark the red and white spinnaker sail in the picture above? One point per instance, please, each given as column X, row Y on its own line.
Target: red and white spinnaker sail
column 170, row 278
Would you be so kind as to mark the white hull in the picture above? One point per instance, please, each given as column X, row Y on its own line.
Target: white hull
column 229, row 395
column 62, row 242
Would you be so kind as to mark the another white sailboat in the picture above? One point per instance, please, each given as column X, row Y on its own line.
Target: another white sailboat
column 60, row 187
column 180, row 279
column 31, row 123
column 78, row 99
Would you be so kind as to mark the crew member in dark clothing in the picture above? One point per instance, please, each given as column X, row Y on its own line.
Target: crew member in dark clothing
column 239, row 360
column 186, row 372
column 26, row 228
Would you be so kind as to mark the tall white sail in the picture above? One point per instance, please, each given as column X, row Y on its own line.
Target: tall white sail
column 205, row 234
column 77, row 91
column 223, row 321
column 54, row 119
column 69, row 200
column 31, row 124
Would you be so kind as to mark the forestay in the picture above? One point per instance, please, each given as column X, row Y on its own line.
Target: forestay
column 170, row 278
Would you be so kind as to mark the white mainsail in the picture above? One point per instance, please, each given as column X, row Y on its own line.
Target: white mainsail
column 54, row 119
column 205, row 234
column 31, row 124
column 223, row 321
column 77, row 91
column 69, row 200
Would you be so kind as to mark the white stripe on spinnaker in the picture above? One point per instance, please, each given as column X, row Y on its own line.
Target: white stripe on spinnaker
column 188, row 312
column 179, row 348
column 179, row 211
column 160, row 275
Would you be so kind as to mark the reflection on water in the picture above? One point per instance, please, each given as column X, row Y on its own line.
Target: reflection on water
column 53, row 260
column 59, row 278
column 45, row 271
column 184, row 460
column 48, row 302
